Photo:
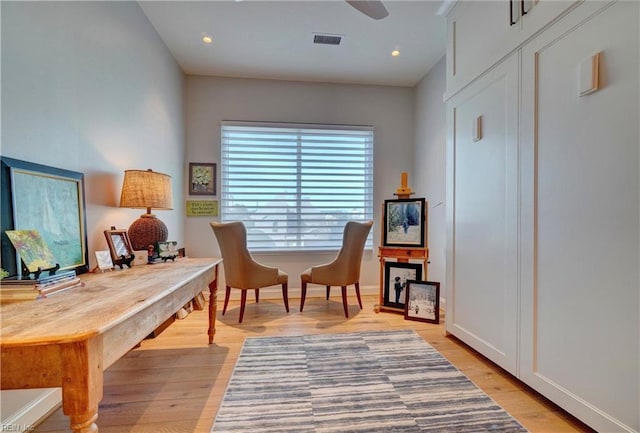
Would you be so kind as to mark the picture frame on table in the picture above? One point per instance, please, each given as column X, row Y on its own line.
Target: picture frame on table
column 202, row 178
column 396, row 275
column 33, row 251
column 167, row 250
column 404, row 223
column 120, row 247
column 49, row 200
column 422, row 302
column 105, row 262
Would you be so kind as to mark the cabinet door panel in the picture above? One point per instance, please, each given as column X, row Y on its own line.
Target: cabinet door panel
column 480, row 33
column 580, row 283
column 540, row 13
column 482, row 277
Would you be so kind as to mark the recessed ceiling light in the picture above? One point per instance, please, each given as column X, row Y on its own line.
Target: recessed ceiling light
column 395, row 53
column 207, row 39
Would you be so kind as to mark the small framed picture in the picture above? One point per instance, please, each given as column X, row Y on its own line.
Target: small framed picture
column 167, row 250
column 104, row 260
column 119, row 247
column 422, row 302
column 404, row 222
column 202, row 178
column 141, row 257
column 396, row 275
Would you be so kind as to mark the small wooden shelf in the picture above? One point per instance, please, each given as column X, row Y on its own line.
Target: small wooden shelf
column 404, row 253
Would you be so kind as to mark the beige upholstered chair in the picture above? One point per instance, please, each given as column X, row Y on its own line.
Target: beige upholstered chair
column 241, row 271
column 344, row 270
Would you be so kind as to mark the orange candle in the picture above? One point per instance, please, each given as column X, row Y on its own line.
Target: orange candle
column 403, row 181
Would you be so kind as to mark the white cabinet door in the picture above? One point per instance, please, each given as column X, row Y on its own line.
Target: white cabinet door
column 481, row 33
column 580, row 217
column 482, row 303
column 539, row 13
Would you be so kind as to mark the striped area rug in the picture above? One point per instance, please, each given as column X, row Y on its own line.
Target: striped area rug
column 357, row 382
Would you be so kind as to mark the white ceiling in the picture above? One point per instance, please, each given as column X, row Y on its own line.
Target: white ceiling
column 274, row 39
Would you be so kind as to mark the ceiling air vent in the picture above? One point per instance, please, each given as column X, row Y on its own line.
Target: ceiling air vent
column 325, row 39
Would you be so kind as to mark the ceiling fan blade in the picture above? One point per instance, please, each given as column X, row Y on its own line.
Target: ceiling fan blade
column 372, row 8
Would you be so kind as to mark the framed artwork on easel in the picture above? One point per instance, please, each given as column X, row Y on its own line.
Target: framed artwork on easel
column 403, row 252
column 404, row 222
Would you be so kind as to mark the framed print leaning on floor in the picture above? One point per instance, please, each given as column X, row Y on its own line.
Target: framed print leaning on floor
column 396, row 275
column 422, row 302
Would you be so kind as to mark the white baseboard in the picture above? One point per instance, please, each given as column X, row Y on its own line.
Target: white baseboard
column 23, row 409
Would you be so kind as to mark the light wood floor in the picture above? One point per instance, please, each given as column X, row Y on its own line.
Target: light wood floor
column 175, row 382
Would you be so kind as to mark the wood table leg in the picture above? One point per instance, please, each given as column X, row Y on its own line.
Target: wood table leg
column 85, row 423
column 82, row 384
column 213, row 305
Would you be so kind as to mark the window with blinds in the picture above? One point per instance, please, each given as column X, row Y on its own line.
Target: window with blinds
column 296, row 186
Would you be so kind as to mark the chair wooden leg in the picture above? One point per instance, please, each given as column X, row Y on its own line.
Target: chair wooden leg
column 344, row 301
column 358, row 294
column 285, row 296
column 303, row 295
column 226, row 299
column 243, row 302
column 328, row 290
column 257, row 295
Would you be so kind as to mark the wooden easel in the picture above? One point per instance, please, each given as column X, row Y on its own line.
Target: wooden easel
column 401, row 254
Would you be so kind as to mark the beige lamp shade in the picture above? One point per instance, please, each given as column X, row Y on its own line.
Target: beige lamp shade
column 146, row 189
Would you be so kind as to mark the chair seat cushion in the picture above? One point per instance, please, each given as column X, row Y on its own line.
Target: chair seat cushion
column 305, row 276
column 283, row 277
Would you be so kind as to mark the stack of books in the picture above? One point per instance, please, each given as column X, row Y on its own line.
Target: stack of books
column 13, row 289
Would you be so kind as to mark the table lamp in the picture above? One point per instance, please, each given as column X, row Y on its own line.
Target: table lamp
column 146, row 190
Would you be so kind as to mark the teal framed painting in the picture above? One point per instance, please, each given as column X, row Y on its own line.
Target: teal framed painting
column 49, row 200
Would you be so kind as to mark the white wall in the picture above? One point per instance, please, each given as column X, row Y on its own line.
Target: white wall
column 210, row 100
column 90, row 87
column 429, row 168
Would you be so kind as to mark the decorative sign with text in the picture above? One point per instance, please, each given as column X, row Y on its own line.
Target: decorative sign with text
column 202, row 208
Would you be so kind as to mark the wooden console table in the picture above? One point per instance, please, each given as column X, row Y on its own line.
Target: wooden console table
column 70, row 338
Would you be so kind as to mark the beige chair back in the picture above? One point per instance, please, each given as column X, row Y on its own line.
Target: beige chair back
column 350, row 256
column 241, row 271
column 344, row 270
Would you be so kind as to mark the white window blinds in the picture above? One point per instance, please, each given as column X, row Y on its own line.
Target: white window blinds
column 296, row 186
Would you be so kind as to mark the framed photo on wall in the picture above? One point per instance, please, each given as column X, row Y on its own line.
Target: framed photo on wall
column 396, row 275
column 404, row 223
column 202, row 178
column 422, row 302
column 49, row 200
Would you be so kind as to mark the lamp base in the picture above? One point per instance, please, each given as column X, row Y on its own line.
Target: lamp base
column 147, row 230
